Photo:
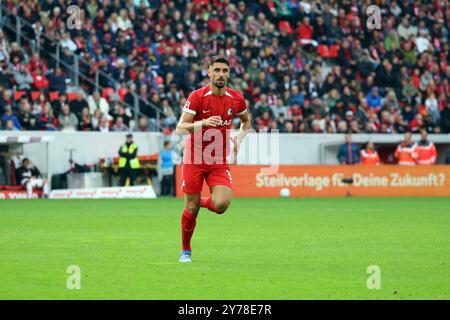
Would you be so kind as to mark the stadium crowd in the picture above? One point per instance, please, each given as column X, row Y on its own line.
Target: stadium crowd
column 304, row 66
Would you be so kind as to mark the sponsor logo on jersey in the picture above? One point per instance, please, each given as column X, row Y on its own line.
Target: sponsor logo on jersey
column 224, row 123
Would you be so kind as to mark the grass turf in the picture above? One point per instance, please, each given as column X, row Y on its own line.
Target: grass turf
column 259, row 249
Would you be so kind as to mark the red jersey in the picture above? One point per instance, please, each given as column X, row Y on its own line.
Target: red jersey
column 211, row 145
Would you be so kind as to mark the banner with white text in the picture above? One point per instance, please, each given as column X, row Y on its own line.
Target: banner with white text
column 335, row 180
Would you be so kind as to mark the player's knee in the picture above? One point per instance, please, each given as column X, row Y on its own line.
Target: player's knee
column 193, row 207
column 222, row 206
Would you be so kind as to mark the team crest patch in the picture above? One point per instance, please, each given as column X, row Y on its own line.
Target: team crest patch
column 230, row 111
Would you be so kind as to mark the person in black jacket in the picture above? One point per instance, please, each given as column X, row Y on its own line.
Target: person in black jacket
column 57, row 81
column 29, row 176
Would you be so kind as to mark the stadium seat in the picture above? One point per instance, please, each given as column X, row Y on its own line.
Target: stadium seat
column 323, row 51
column 72, row 96
column 54, row 95
column 35, row 95
column 283, row 24
column 334, row 50
column 19, row 94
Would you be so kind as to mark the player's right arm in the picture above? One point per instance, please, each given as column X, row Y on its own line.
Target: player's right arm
column 186, row 124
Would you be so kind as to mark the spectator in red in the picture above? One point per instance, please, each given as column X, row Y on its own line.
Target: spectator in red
column 215, row 23
column 294, row 110
column 36, row 63
column 305, row 30
column 417, row 123
column 40, row 82
column 47, row 120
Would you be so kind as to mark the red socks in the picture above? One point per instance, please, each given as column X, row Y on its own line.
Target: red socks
column 206, row 202
column 188, row 221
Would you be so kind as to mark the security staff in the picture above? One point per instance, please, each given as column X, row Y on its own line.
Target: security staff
column 369, row 156
column 128, row 162
column 406, row 152
column 426, row 150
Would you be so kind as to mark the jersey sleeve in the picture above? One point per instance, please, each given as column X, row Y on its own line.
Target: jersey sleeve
column 192, row 104
column 242, row 106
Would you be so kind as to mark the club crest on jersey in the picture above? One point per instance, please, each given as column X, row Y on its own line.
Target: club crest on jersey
column 230, row 111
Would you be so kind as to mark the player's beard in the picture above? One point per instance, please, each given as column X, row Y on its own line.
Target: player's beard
column 222, row 84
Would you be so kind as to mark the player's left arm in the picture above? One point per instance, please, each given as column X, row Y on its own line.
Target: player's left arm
column 245, row 128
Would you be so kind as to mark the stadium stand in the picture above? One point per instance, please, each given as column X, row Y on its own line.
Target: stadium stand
column 303, row 66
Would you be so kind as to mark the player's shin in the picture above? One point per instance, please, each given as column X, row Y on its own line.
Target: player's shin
column 188, row 222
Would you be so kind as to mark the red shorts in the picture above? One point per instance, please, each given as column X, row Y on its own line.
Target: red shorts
column 194, row 174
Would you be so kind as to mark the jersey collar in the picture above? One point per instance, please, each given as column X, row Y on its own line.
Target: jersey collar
column 210, row 93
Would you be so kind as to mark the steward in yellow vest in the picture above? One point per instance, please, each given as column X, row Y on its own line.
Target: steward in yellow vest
column 128, row 162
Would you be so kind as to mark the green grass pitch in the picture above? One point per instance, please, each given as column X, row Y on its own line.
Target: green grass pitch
column 259, row 249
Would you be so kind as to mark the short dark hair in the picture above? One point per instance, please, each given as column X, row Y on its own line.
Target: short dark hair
column 219, row 60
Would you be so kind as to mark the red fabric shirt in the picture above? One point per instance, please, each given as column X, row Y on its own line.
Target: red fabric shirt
column 40, row 82
column 213, row 142
column 305, row 31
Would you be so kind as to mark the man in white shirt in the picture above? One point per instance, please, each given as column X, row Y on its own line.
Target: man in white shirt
column 95, row 101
